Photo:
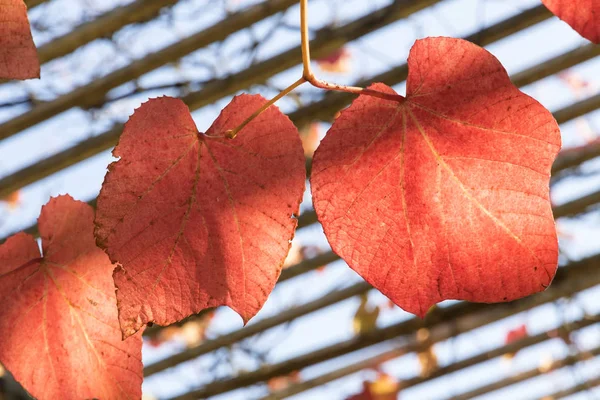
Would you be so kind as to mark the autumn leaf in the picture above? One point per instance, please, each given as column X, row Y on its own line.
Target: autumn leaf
column 312, row 251
column 515, row 334
column 58, row 321
column 365, row 318
column 389, row 305
column 385, row 387
column 310, row 139
column 563, row 334
column 13, row 200
column 547, row 364
column 581, row 15
column 335, row 62
column 281, row 382
column 426, row 357
column 295, row 255
column 198, row 222
column 18, row 55
column 582, row 89
column 194, row 332
column 443, row 195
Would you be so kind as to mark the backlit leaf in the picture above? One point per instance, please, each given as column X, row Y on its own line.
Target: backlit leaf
column 581, row 15
column 18, row 56
column 335, row 62
column 58, row 321
column 365, row 318
column 281, row 382
column 515, row 334
column 198, row 222
column 385, row 387
column 13, row 200
column 426, row 357
column 443, row 195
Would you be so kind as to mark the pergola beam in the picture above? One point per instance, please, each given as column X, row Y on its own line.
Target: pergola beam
column 326, row 41
column 389, row 355
column 577, row 277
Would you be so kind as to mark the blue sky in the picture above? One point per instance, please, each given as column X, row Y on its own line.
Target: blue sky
column 372, row 54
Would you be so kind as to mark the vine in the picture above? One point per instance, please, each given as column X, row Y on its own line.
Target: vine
column 439, row 194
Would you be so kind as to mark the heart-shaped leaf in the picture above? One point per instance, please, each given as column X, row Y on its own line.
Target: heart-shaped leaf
column 198, row 222
column 581, row 15
column 18, row 56
column 58, row 320
column 443, row 195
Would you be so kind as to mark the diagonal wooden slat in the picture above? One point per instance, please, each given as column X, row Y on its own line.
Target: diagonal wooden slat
column 587, row 385
column 34, row 3
column 578, row 276
column 578, row 206
column 572, row 208
column 566, row 161
column 101, row 27
column 261, row 326
column 321, row 110
column 94, row 92
column 373, row 362
column 525, row 375
column 289, row 273
column 574, row 157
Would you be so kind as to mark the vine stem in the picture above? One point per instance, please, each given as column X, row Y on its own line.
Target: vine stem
column 309, row 76
column 232, row 133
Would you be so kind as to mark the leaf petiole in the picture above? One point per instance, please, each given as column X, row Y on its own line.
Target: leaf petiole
column 309, row 76
column 232, row 133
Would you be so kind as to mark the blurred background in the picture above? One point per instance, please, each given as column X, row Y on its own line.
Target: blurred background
column 324, row 333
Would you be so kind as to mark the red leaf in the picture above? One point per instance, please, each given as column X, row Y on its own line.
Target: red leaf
column 199, row 222
column 581, row 15
column 365, row 318
column 513, row 335
column 58, row 320
column 281, row 382
column 385, row 387
column 17, row 51
column 13, row 200
column 445, row 194
column 516, row 334
column 336, row 61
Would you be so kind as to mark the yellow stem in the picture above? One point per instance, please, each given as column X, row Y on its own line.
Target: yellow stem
column 310, row 77
column 232, row 133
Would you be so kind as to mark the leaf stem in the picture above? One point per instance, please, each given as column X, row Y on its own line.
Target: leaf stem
column 309, row 76
column 232, row 133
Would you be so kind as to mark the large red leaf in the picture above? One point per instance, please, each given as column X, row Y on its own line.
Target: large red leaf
column 198, row 222
column 59, row 327
column 581, row 15
column 18, row 56
column 445, row 194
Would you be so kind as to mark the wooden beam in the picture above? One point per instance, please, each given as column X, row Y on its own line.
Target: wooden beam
column 34, row 3
column 321, row 110
column 462, row 316
column 326, row 41
column 101, row 27
column 529, row 374
column 375, row 361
